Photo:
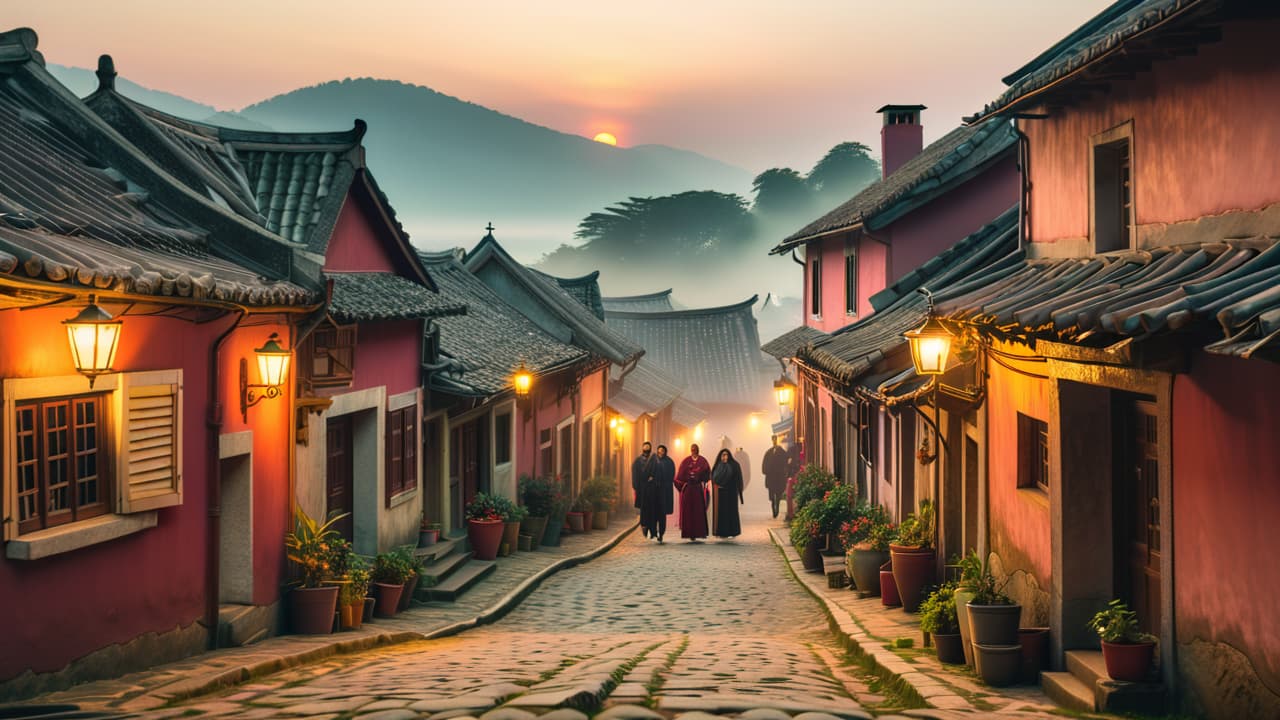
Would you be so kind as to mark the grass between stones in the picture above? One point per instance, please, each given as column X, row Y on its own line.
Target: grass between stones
column 656, row 680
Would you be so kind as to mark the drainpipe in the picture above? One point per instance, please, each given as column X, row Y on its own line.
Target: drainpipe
column 214, row 425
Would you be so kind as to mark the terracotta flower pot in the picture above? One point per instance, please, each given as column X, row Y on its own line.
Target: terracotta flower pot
column 962, row 618
column 534, row 527
column 913, row 570
column 864, row 567
column 811, row 557
column 551, row 535
column 369, row 604
column 406, row 597
column 510, row 536
column 888, row 587
column 600, row 520
column 576, row 522
column 834, row 547
column 998, row 665
column 1128, row 662
column 427, row 538
column 311, row 609
column 994, row 624
column 485, row 537
column 1035, row 653
column 949, row 648
column 388, row 599
column 351, row 617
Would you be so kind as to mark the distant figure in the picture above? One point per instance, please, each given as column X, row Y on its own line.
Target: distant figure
column 641, row 475
column 661, row 499
column 775, row 468
column 726, row 477
column 691, row 481
column 744, row 462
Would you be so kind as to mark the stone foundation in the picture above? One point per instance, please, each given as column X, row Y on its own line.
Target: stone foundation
column 1219, row 681
column 1024, row 589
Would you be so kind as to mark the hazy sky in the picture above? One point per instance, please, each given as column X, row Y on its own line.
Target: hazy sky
column 754, row 83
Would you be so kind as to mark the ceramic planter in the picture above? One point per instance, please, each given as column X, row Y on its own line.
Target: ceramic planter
column 427, row 538
column 962, row 618
column 485, row 537
column 388, row 599
column 864, row 568
column 913, row 570
column 369, row 604
column 888, row 588
column 834, row 547
column 1035, row 653
column 811, row 557
column 994, row 624
column 949, row 648
column 576, row 522
column 998, row 665
column 600, row 520
column 1128, row 662
column 535, row 528
column 351, row 617
column 406, row 597
column 510, row 537
column 551, row 534
column 311, row 609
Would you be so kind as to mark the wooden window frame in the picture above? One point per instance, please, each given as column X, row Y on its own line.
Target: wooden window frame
column 40, row 408
column 1033, row 453
column 1103, row 142
column 815, row 286
column 401, row 471
column 563, row 452
column 546, row 451
column 503, row 431
column 851, row 280
column 340, row 354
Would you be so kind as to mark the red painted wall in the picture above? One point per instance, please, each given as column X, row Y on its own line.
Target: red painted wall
column 388, row 353
column 1199, row 122
column 831, row 251
column 154, row 580
column 1019, row 520
column 356, row 246
column 1225, row 502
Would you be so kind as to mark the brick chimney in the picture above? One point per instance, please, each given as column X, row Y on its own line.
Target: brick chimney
column 902, row 136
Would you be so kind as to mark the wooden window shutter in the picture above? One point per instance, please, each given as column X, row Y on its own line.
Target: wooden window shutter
column 395, row 455
column 150, row 451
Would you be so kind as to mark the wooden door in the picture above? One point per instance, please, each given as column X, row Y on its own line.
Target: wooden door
column 456, row 500
column 339, row 474
column 1138, row 543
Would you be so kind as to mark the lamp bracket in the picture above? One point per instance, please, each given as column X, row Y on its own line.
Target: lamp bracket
column 248, row 396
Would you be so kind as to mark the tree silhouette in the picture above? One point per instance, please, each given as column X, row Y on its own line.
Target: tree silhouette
column 781, row 191
column 685, row 224
column 843, row 171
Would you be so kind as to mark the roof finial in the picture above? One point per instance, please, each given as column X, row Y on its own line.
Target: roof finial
column 106, row 73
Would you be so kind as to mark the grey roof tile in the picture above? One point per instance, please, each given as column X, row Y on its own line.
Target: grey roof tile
column 651, row 302
column 360, row 297
column 789, row 343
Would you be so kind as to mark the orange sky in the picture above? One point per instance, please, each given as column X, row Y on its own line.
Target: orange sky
column 757, row 84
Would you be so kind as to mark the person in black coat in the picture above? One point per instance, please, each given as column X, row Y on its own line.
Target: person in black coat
column 726, row 494
column 659, row 498
column 641, row 476
column 776, row 468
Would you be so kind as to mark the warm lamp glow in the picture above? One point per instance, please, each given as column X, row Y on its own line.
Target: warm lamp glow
column 606, row 138
column 522, row 380
column 697, row 432
column 613, row 422
column 273, row 362
column 93, row 336
column 679, row 442
column 755, row 421
column 930, row 346
column 784, row 389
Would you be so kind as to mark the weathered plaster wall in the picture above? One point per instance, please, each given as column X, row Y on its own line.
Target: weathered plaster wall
column 1198, row 124
column 356, row 246
column 1226, row 498
column 831, row 251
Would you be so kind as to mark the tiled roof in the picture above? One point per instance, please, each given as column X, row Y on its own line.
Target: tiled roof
column 787, row 344
column 493, row 337
column 647, row 389
column 980, row 259
column 945, row 163
column 652, row 302
column 1102, row 37
column 584, row 289
column 360, row 297
column 81, row 207
column 684, row 412
column 571, row 321
column 713, row 352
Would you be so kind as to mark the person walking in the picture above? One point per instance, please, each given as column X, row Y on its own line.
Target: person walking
column 641, row 476
column 726, row 494
column 659, row 501
column 775, row 467
column 691, row 480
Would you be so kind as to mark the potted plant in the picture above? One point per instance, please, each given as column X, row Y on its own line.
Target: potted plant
column 388, row 578
column 838, row 508
column 579, row 514
column 805, row 536
column 512, row 514
column 993, row 616
column 484, row 526
column 970, row 570
column 601, row 491
column 938, row 618
column 538, row 496
column 428, row 532
column 1126, row 650
column 888, row 588
column 913, row 556
column 868, row 539
column 313, row 601
column 556, row 518
column 351, row 596
column 413, row 574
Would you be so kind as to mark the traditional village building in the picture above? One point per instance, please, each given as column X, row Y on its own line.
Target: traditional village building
column 138, row 498
column 927, row 201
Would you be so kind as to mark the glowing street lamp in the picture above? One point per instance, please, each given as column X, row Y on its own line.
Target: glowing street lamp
column 522, row 380
column 784, row 390
column 273, row 369
column 930, row 343
column 93, row 335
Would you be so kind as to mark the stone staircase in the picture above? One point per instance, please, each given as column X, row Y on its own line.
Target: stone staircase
column 245, row 624
column 450, row 570
column 1086, row 687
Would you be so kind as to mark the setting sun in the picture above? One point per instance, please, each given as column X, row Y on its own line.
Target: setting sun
column 606, row 138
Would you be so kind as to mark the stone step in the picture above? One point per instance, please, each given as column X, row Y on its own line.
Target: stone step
column 442, row 548
column 438, row 571
column 1067, row 690
column 462, row 580
column 244, row 624
column 1087, row 665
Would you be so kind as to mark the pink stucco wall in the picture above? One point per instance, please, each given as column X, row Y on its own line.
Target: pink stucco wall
column 355, row 246
column 390, row 354
column 1199, row 125
column 1225, row 502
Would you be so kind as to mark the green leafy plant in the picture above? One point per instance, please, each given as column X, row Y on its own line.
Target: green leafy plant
column 970, row 566
column 879, row 537
column 539, row 495
column 581, row 504
column 1118, row 624
column 601, row 491
column 904, row 643
column 976, row 578
column 938, row 611
column 813, row 482
column 356, row 585
column 917, row 529
column 483, row 507
column 865, row 517
column 311, row 547
column 826, row 515
column 392, row 568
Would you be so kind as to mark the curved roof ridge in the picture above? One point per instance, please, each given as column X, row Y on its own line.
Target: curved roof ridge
column 646, row 296
column 590, row 277
column 688, row 312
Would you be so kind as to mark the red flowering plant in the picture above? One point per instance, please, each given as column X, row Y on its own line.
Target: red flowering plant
column 484, row 507
column 827, row 515
column 865, row 518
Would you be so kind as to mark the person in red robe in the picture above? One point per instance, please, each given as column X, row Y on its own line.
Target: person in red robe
column 691, row 481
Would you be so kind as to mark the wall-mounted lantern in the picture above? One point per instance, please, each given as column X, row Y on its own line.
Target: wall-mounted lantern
column 522, row 380
column 613, row 423
column 784, row 390
column 94, row 336
column 273, row 369
column 930, row 343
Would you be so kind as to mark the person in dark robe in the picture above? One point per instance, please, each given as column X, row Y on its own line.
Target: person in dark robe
column 691, row 480
column 775, row 468
column 726, row 494
column 641, row 475
column 661, row 498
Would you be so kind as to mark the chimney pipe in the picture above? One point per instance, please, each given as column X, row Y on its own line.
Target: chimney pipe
column 902, row 136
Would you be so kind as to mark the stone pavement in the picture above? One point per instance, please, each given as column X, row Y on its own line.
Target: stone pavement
column 516, row 576
column 869, row 628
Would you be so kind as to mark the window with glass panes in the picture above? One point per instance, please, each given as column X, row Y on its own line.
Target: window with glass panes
column 62, row 461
